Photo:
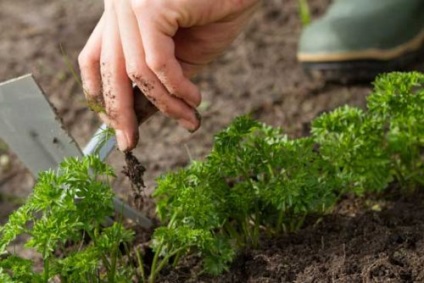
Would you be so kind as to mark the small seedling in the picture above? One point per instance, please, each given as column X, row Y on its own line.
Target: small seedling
column 256, row 181
column 66, row 208
column 304, row 12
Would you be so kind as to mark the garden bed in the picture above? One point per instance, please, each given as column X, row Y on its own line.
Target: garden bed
column 355, row 244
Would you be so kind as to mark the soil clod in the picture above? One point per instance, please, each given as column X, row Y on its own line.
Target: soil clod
column 134, row 170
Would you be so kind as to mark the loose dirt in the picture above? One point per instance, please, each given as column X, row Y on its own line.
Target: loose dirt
column 357, row 244
column 258, row 75
column 134, row 170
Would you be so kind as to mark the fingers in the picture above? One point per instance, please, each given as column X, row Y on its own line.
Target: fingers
column 124, row 49
column 117, row 89
column 96, row 78
column 160, row 58
column 89, row 63
column 137, row 70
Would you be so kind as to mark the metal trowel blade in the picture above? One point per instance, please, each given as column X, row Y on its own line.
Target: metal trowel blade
column 30, row 127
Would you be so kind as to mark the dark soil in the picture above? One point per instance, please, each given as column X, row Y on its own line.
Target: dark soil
column 134, row 170
column 258, row 75
column 371, row 246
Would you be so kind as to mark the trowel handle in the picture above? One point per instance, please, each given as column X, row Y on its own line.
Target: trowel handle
column 144, row 109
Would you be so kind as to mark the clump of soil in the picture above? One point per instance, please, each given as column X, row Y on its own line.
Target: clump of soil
column 134, row 170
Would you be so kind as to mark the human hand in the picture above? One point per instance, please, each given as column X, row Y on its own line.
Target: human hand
column 158, row 45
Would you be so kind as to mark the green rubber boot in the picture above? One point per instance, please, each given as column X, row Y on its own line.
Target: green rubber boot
column 358, row 39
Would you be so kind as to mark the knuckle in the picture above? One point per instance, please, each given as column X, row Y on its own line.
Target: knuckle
column 156, row 64
column 134, row 72
column 138, row 5
column 180, row 87
column 175, row 87
column 82, row 57
column 86, row 60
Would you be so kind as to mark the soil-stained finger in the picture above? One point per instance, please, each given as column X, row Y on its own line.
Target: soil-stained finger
column 143, row 77
column 117, row 88
column 89, row 63
column 160, row 57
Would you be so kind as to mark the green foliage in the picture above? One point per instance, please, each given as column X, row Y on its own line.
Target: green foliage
column 66, row 207
column 370, row 149
column 398, row 104
column 5, row 278
column 254, row 178
column 104, row 136
column 20, row 268
column 353, row 142
column 304, row 12
column 257, row 180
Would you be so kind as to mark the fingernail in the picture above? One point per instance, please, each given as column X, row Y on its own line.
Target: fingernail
column 186, row 124
column 121, row 139
column 198, row 122
column 198, row 116
column 189, row 124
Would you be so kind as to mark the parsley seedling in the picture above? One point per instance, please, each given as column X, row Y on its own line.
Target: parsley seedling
column 65, row 208
column 255, row 181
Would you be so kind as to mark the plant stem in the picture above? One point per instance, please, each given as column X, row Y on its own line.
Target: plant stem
column 256, row 231
column 112, row 271
column 103, row 257
column 141, row 265
column 233, row 233
column 46, row 270
column 155, row 270
column 279, row 224
column 154, row 263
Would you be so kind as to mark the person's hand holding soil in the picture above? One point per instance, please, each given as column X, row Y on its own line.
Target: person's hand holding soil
column 158, row 45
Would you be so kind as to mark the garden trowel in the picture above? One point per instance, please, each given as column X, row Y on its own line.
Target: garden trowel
column 32, row 129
